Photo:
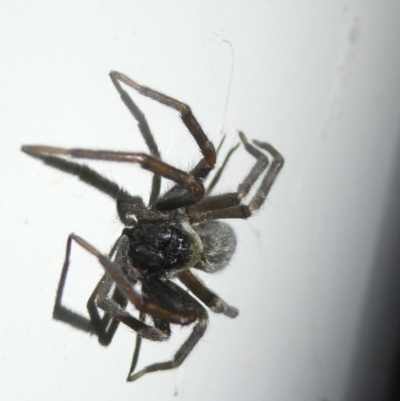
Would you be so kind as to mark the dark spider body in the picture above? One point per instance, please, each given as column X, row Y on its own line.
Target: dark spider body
column 160, row 248
column 164, row 240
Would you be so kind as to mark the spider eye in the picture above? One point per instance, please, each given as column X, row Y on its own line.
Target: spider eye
column 159, row 247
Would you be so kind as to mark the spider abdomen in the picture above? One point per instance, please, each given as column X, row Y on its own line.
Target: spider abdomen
column 219, row 245
column 160, row 247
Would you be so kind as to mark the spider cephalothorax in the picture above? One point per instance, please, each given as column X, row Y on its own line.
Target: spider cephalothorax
column 164, row 240
column 164, row 248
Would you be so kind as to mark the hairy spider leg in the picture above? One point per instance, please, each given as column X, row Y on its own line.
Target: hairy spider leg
column 219, row 172
column 186, row 180
column 84, row 173
column 136, row 352
column 205, row 145
column 229, row 206
column 209, row 298
column 177, row 196
column 268, row 181
column 93, row 178
column 146, row 134
column 90, row 177
column 106, row 326
column 185, row 349
column 114, row 306
column 114, row 309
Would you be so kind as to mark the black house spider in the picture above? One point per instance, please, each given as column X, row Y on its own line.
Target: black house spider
column 163, row 240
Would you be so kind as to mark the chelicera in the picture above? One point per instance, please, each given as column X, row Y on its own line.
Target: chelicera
column 163, row 241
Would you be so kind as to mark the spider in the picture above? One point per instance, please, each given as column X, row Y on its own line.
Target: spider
column 164, row 240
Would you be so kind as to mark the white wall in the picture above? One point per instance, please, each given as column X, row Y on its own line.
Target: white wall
column 315, row 274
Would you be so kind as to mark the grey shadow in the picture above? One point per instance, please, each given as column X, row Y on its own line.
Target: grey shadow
column 375, row 367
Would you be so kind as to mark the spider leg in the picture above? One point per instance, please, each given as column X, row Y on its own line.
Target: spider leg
column 136, row 352
column 266, row 184
column 131, row 213
column 205, row 145
column 139, row 116
column 220, row 144
column 146, row 134
column 273, row 171
column 190, row 183
column 229, row 205
column 106, row 326
column 96, row 324
column 84, row 173
column 177, row 196
column 218, row 174
column 198, row 331
column 212, row 300
column 182, row 353
column 158, row 323
column 125, row 286
column 114, row 308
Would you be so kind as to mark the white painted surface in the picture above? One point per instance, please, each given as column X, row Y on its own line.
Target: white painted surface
column 314, row 270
